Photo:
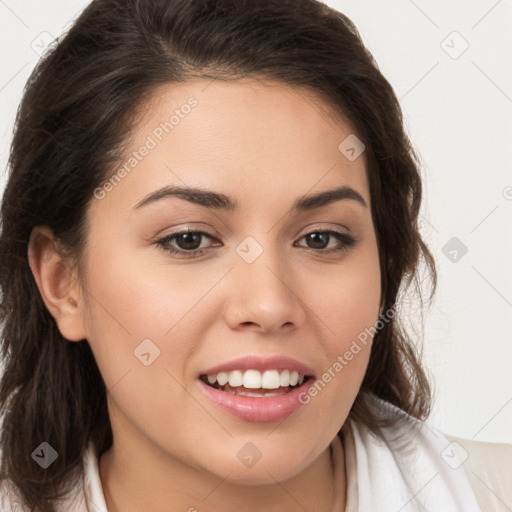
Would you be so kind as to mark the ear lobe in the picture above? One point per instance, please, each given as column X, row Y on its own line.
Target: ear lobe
column 56, row 283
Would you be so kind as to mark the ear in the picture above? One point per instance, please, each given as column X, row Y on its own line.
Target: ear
column 57, row 283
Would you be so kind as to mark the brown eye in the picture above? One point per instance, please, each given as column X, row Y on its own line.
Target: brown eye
column 319, row 241
column 186, row 243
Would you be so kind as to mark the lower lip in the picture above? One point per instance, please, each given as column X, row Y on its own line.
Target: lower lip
column 264, row 409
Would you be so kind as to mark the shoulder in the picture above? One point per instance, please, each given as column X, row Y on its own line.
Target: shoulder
column 468, row 475
column 488, row 467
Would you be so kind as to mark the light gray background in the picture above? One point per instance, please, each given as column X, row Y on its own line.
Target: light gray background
column 457, row 104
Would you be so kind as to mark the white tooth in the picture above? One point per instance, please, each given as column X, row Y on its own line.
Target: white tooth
column 270, row 379
column 236, row 378
column 294, row 378
column 301, row 379
column 252, row 379
column 284, row 378
column 222, row 378
column 212, row 379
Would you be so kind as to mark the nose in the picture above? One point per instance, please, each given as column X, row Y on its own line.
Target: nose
column 264, row 295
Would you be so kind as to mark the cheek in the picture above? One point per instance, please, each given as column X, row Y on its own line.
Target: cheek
column 134, row 315
column 133, row 297
column 347, row 306
column 349, row 299
column 144, row 322
column 141, row 341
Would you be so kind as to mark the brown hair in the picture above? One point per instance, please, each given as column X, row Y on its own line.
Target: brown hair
column 74, row 119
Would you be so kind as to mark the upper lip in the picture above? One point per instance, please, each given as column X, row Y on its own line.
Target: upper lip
column 261, row 363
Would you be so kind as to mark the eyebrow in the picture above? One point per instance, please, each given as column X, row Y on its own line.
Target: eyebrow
column 218, row 201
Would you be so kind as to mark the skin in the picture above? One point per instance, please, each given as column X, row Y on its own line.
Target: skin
column 264, row 145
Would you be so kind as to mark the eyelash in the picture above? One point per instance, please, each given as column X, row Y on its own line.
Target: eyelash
column 347, row 242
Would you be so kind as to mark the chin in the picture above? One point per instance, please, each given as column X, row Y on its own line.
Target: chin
column 259, row 461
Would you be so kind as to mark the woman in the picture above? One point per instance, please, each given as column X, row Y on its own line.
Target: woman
column 210, row 218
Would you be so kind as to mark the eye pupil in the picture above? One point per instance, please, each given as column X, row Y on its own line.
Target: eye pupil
column 191, row 241
column 319, row 240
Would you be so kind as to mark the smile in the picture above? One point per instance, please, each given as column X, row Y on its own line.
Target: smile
column 263, row 393
column 255, row 383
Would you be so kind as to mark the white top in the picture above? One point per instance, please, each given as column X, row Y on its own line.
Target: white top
column 410, row 467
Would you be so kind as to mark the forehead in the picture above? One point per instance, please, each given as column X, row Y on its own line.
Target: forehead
column 252, row 140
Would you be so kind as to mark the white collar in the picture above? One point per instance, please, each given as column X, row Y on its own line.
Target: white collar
column 407, row 467
column 95, row 499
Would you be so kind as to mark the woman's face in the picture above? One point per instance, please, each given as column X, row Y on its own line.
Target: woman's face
column 261, row 289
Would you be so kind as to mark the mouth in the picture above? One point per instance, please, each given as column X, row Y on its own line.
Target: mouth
column 258, row 390
column 255, row 383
